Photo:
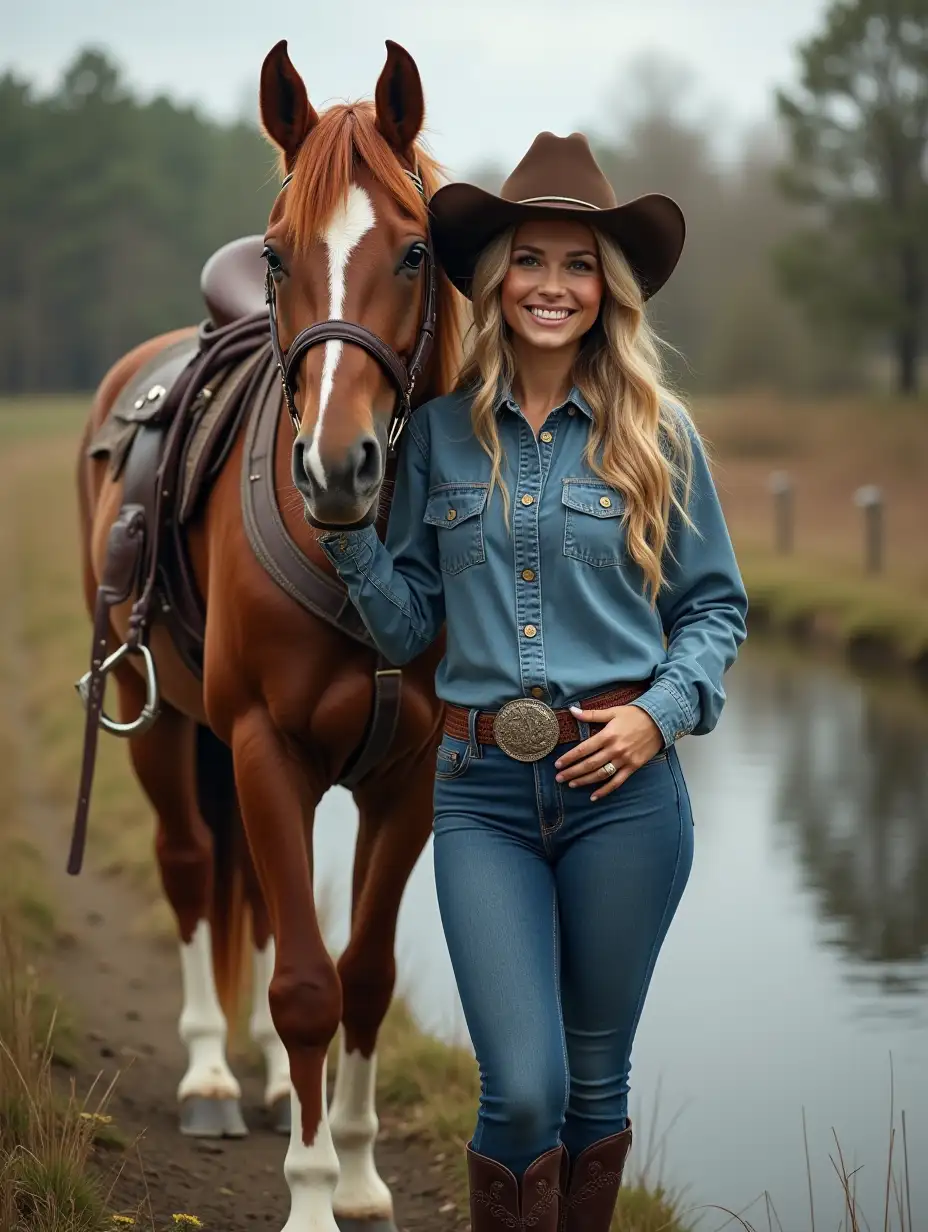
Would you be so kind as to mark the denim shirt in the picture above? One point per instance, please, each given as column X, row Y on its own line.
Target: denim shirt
column 551, row 606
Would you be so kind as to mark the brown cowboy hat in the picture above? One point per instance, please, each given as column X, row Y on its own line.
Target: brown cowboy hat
column 557, row 178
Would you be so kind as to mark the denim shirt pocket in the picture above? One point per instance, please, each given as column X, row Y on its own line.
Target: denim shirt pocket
column 456, row 512
column 593, row 530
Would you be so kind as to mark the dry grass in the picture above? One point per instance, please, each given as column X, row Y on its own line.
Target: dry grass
column 829, row 449
column 45, row 1140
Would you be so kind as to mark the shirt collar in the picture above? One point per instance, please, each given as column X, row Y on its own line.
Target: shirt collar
column 574, row 398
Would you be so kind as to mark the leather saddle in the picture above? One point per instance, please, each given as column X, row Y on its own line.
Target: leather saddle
column 232, row 281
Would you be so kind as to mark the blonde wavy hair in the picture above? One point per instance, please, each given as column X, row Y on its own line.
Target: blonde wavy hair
column 641, row 441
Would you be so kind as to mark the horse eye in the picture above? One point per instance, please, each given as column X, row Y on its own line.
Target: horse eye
column 274, row 263
column 414, row 258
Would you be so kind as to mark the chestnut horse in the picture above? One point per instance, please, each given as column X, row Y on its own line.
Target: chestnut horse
column 289, row 694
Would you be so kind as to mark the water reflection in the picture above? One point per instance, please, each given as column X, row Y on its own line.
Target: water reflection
column 852, row 789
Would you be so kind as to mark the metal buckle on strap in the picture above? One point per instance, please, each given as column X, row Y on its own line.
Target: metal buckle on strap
column 526, row 729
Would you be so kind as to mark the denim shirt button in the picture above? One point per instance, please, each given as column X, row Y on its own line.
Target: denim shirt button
column 546, row 437
column 528, row 575
column 528, row 500
column 529, row 630
column 537, row 691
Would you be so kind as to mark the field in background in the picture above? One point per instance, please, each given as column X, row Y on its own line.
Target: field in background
column 830, row 448
column 821, row 591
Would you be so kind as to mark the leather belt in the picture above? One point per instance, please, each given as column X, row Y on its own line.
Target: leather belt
column 528, row 729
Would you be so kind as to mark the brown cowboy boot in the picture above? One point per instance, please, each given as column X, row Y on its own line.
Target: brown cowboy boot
column 595, row 1176
column 499, row 1200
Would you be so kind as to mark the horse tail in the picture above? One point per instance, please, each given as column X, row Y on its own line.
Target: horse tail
column 229, row 914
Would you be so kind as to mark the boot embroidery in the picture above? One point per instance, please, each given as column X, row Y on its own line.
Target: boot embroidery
column 547, row 1196
column 493, row 1204
column 598, row 1179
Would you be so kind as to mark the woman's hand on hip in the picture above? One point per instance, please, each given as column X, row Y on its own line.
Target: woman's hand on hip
column 629, row 738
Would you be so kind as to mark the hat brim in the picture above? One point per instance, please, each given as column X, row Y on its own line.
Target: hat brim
column 650, row 230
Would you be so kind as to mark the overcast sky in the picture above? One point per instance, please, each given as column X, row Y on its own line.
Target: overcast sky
column 495, row 72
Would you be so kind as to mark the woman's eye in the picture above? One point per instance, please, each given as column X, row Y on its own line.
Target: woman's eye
column 274, row 263
column 414, row 257
column 526, row 259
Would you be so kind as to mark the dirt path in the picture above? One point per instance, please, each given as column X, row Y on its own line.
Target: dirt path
column 124, row 991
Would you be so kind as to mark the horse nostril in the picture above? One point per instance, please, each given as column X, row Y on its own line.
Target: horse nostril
column 367, row 462
column 304, row 476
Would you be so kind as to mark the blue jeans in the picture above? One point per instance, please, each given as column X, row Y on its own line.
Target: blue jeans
column 554, row 910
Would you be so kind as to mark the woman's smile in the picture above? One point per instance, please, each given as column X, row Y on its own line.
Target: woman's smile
column 549, row 317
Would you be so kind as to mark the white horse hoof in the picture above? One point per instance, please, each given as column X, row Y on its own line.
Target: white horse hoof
column 203, row 1117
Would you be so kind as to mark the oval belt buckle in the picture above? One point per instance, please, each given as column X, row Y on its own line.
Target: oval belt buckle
column 526, row 729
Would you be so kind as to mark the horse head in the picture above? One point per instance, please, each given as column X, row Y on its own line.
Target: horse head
column 354, row 293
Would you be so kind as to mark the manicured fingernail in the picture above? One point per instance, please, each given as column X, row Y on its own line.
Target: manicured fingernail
column 575, row 710
column 594, row 797
column 559, row 778
column 558, row 764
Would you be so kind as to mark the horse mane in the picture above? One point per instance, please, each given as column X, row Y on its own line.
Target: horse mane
column 322, row 176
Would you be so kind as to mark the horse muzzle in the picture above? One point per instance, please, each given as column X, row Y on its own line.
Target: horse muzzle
column 340, row 494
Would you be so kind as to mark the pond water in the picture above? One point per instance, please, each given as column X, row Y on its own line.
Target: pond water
column 795, row 975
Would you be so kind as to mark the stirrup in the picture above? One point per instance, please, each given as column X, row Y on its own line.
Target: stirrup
column 152, row 707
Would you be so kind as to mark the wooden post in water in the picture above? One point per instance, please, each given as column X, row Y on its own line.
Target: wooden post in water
column 869, row 498
column 781, row 486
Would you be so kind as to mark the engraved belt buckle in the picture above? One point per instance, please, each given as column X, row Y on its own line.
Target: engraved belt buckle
column 526, row 729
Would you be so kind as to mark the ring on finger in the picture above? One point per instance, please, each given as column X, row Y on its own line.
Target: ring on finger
column 608, row 770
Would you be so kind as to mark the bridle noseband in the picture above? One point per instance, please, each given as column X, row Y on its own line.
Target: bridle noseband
column 403, row 375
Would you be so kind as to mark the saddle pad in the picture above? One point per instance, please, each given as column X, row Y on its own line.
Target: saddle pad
column 213, row 430
column 140, row 400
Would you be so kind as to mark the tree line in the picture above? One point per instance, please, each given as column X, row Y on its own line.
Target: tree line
column 806, row 264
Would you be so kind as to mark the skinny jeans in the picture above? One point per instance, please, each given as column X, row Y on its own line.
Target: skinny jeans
column 554, row 908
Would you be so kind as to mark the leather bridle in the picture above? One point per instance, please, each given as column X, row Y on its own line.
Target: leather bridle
column 403, row 374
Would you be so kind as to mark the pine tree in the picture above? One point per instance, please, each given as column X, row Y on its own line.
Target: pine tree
column 858, row 133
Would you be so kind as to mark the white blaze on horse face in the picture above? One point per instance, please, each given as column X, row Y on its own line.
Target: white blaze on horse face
column 264, row 1033
column 311, row 1172
column 360, row 1194
column 202, row 1023
column 347, row 227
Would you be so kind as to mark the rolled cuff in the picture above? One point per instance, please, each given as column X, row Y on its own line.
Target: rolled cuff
column 669, row 709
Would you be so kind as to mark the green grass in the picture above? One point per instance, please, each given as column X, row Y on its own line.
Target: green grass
column 796, row 596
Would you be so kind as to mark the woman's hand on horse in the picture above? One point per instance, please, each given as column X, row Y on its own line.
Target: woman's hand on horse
column 628, row 738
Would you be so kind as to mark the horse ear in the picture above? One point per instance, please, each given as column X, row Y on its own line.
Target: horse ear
column 286, row 112
column 398, row 99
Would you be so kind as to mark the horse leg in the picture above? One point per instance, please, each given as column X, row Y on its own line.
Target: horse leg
column 278, row 802
column 392, row 831
column 261, row 1027
column 164, row 759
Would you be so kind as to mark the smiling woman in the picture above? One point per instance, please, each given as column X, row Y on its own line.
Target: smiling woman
column 557, row 512
column 555, row 280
